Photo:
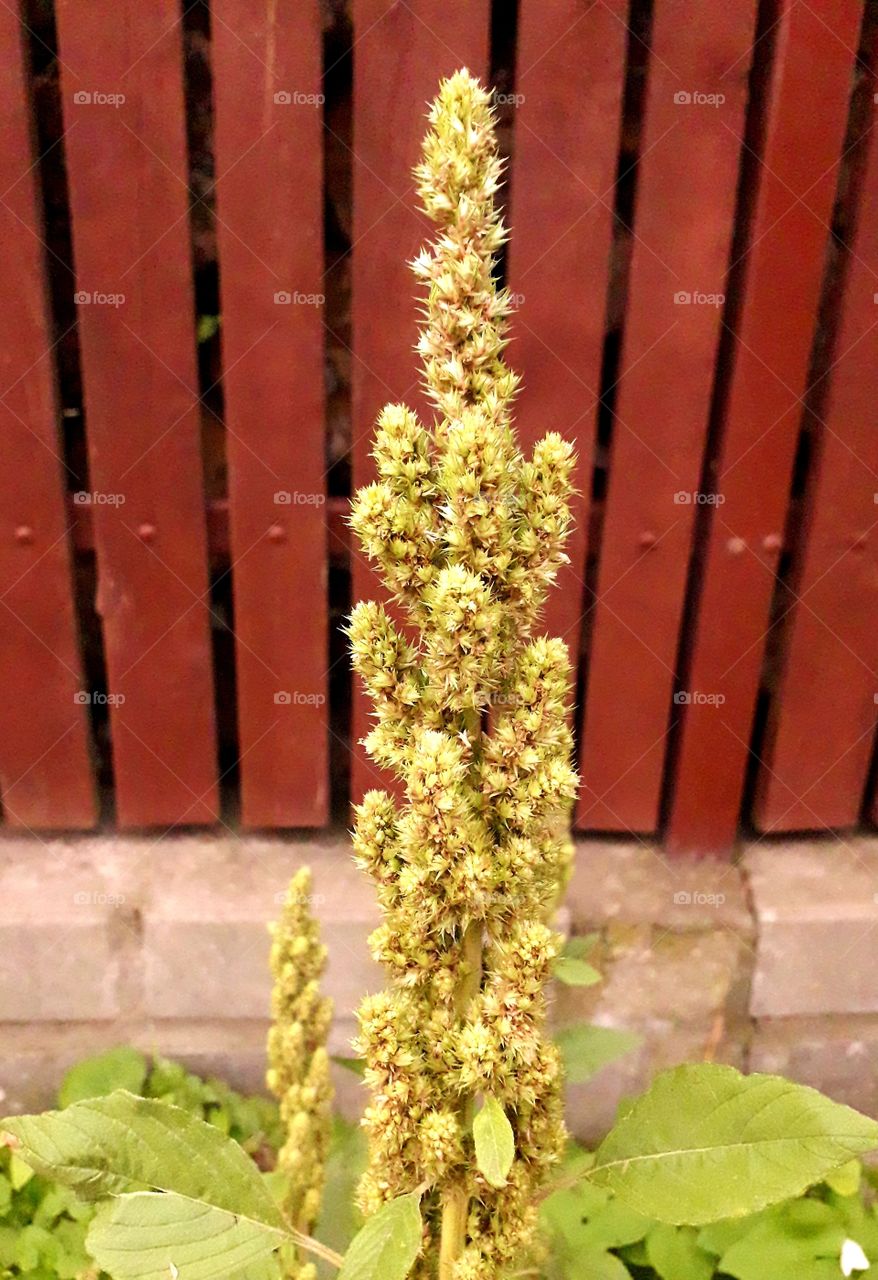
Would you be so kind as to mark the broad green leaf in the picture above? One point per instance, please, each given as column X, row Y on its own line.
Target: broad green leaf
column 585, row 1049
column 595, row 1266
column 846, row 1180
column 575, row 973
column 385, row 1248
column 120, row 1143
column 705, row 1143
column 119, row 1068
column 495, row 1143
column 614, row 1226
column 673, row 1252
column 340, row 1219
column 150, row 1235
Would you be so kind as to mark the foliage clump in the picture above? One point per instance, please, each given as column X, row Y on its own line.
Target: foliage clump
column 471, row 714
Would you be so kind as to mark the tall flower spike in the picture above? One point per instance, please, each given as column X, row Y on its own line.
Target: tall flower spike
column 471, row 713
column 298, row 1073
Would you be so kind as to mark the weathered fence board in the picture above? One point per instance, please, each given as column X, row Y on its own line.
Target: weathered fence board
column 797, row 182
column 269, row 141
column 121, row 77
column 688, row 174
column 818, row 752
column 44, row 746
column 561, row 217
column 405, row 49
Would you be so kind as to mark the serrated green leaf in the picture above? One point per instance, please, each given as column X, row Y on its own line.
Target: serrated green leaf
column 119, row 1068
column 150, row 1235
column 575, row 973
column 674, row 1253
column 706, row 1143
column 586, row 1049
column 387, row 1244
column 120, row 1143
column 494, row 1141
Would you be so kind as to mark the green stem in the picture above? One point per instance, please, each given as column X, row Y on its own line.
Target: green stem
column 455, row 1202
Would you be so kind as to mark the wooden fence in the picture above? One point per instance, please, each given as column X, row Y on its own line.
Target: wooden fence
column 694, row 202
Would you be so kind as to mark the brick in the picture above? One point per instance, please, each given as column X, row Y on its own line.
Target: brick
column 204, row 925
column 836, row 1055
column 634, row 883
column 816, row 907
column 66, row 925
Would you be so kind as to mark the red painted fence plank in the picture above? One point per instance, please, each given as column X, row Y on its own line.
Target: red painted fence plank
column 270, row 230
column 44, row 746
column 561, row 217
column 814, row 60
column 405, row 49
column 688, row 174
column 817, row 757
column 127, row 170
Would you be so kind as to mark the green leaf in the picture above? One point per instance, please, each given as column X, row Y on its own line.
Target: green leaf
column 575, row 973
column 207, row 327
column 108, row 1145
column 846, row 1180
column 150, row 1235
column 355, row 1065
column 20, row 1173
column 385, row 1248
column 587, row 1049
column 119, row 1068
column 595, row 1266
column 706, row 1143
column 674, row 1253
column 495, row 1143
column 579, row 947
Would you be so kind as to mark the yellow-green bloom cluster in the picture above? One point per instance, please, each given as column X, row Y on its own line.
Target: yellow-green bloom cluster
column 471, row 714
column 298, row 1073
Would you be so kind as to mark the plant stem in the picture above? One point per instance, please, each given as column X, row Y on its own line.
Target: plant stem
column 455, row 1202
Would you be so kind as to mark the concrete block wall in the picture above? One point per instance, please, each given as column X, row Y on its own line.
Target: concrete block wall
column 771, row 964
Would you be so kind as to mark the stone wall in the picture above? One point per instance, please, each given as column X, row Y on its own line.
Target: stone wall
column 771, row 965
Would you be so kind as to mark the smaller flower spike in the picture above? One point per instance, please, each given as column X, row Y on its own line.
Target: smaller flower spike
column 471, row 713
column 298, row 1073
